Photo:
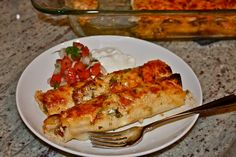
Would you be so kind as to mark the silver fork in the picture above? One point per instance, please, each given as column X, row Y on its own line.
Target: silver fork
column 134, row 135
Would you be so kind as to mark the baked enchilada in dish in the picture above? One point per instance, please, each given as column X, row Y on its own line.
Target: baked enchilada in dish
column 170, row 19
column 171, row 25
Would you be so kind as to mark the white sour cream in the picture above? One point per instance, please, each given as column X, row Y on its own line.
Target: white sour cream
column 113, row 59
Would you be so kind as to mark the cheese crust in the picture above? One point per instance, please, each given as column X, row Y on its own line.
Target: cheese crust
column 182, row 4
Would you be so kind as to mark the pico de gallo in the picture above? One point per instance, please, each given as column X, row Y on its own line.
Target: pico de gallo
column 75, row 64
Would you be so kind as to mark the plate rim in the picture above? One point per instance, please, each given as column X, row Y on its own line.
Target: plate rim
column 54, row 144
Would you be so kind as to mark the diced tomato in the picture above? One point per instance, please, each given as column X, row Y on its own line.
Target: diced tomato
column 58, row 61
column 83, row 75
column 85, row 51
column 70, row 76
column 55, row 80
column 78, row 45
column 125, row 101
column 95, row 69
column 65, row 63
column 71, row 69
column 79, row 66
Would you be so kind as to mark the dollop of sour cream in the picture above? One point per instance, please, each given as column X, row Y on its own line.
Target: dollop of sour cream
column 113, row 59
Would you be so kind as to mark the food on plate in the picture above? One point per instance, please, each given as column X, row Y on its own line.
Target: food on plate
column 76, row 64
column 116, row 109
column 122, row 80
column 54, row 101
column 74, row 67
column 102, row 102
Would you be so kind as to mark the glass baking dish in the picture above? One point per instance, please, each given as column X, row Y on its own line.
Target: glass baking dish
column 118, row 17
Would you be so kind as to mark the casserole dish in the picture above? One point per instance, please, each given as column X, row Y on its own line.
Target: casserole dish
column 175, row 19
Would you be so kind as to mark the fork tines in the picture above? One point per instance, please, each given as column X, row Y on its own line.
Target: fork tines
column 106, row 140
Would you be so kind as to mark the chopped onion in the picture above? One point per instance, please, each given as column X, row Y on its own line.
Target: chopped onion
column 103, row 70
column 62, row 53
column 86, row 60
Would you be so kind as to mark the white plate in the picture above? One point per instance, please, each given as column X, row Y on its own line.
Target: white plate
column 40, row 69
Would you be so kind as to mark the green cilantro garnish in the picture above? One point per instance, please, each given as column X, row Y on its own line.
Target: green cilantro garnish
column 56, row 85
column 74, row 52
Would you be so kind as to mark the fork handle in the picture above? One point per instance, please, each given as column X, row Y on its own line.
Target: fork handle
column 219, row 103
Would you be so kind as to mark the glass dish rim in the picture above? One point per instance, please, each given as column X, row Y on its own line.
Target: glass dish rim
column 70, row 11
